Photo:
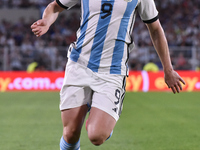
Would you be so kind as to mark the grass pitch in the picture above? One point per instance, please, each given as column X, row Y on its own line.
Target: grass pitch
column 149, row 121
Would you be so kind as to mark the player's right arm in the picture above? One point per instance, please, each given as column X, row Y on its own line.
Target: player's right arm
column 172, row 78
column 49, row 16
column 149, row 14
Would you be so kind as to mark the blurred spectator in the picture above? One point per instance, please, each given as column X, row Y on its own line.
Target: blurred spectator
column 16, row 60
column 151, row 67
column 197, row 68
column 32, row 67
column 181, row 62
column 134, row 64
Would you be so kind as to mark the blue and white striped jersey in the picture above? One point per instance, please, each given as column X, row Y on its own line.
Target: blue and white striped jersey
column 104, row 35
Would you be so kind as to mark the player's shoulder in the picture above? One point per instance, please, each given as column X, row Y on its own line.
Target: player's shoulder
column 66, row 4
column 145, row 2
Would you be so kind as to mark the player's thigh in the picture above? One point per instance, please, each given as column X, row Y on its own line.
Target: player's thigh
column 106, row 105
column 74, row 117
column 110, row 98
column 102, row 117
column 74, row 106
column 100, row 123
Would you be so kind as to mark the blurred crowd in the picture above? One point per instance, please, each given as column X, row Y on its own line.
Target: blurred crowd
column 179, row 18
column 23, row 3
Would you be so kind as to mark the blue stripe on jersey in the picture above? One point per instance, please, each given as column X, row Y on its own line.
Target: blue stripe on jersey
column 100, row 34
column 76, row 52
column 119, row 44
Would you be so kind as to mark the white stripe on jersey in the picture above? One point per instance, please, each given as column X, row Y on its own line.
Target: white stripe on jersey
column 109, row 45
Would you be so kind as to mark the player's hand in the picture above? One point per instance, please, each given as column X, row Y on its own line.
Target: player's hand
column 40, row 27
column 173, row 81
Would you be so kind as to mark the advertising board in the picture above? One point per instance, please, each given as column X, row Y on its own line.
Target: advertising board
column 52, row 81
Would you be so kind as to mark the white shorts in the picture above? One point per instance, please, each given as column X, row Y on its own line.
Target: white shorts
column 82, row 86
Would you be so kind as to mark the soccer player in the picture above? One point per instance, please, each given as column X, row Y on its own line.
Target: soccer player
column 96, row 72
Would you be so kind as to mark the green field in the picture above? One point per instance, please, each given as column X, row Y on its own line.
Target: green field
column 149, row 121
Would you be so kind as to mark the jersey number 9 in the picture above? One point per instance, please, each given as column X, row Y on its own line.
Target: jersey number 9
column 106, row 8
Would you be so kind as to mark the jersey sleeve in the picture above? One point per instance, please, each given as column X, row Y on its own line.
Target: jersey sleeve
column 67, row 4
column 147, row 11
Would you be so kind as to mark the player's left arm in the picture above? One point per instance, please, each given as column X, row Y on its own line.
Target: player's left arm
column 172, row 79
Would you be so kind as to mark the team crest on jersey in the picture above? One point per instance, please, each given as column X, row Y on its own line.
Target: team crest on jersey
column 127, row 0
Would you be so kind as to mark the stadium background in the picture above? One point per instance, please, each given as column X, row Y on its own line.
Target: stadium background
column 20, row 49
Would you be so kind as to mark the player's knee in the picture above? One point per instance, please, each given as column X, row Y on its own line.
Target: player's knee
column 97, row 138
column 71, row 134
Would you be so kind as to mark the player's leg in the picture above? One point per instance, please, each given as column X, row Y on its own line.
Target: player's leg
column 72, row 120
column 99, row 126
column 73, row 106
column 106, row 108
column 74, row 97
